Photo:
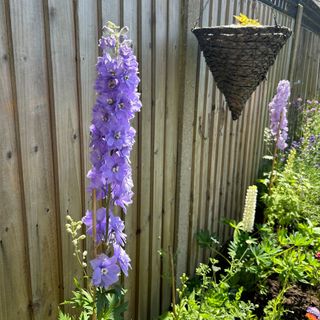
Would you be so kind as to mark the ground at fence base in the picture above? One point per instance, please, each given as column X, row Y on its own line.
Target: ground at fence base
column 297, row 299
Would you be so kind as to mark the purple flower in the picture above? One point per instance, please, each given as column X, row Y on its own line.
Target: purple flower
column 120, row 135
column 111, row 141
column 278, row 114
column 97, row 181
column 116, row 228
column 105, row 271
column 107, row 42
column 122, row 194
column 101, row 223
column 115, row 168
column 122, row 258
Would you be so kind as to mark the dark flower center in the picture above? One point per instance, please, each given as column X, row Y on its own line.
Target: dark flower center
column 112, row 83
column 110, row 101
column 115, row 168
column 104, row 271
column 117, row 135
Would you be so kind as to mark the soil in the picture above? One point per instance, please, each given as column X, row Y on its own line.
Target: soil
column 297, row 299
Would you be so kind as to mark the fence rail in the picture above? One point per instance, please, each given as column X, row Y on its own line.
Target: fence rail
column 191, row 162
column 311, row 14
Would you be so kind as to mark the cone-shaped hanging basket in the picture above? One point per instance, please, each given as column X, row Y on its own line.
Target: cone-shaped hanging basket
column 239, row 58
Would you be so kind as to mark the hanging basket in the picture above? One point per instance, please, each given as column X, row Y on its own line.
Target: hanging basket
column 239, row 58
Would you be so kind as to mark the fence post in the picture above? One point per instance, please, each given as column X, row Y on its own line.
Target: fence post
column 296, row 40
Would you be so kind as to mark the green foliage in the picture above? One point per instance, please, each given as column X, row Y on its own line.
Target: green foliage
column 212, row 300
column 274, row 310
column 206, row 240
column 282, row 251
column 109, row 303
column 63, row 316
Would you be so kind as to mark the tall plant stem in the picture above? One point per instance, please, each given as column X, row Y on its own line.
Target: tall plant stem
column 173, row 281
column 275, row 153
column 94, row 235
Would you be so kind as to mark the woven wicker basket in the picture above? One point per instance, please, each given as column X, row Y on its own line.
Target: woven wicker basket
column 240, row 57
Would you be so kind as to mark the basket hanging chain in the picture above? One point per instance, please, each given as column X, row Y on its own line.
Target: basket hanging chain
column 273, row 13
column 200, row 14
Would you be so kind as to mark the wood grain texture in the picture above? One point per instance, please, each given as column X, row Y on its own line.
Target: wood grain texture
column 144, row 204
column 191, row 162
column 129, row 16
column 158, row 123
column 87, row 37
column 36, row 152
column 111, row 11
column 66, row 122
column 197, row 131
column 171, row 146
column 186, row 111
column 14, row 256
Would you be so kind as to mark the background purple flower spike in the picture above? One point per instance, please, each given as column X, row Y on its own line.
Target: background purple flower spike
column 278, row 114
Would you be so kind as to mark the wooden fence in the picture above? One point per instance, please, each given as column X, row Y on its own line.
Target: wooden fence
column 191, row 162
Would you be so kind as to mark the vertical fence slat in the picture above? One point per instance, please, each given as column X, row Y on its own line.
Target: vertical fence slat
column 130, row 11
column 143, row 263
column 14, row 265
column 171, row 134
column 197, row 128
column 111, row 11
column 36, row 148
column 187, row 101
column 158, row 122
column 63, row 85
column 87, row 35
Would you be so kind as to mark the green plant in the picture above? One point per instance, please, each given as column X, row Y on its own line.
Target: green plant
column 104, row 304
column 274, row 310
column 212, row 300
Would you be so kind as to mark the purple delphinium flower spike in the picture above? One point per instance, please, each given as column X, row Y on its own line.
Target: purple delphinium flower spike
column 278, row 114
column 112, row 139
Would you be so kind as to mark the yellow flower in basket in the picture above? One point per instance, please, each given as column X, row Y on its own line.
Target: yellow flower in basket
column 245, row 21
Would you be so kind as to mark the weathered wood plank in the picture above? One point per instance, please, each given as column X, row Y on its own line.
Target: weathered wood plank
column 36, row 151
column 14, row 257
column 201, row 82
column 144, row 205
column 111, row 11
column 158, row 123
column 87, row 36
column 186, row 106
column 171, row 135
column 225, row 16
column 66, row 121
column 130, row 19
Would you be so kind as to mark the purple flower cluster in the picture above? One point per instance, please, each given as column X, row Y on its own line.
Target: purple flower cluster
column 112, row 138
column 278, row 114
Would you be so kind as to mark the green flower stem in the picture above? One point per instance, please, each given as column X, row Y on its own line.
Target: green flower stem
column 94, row 236
column 221, row 255
column 275, row 152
